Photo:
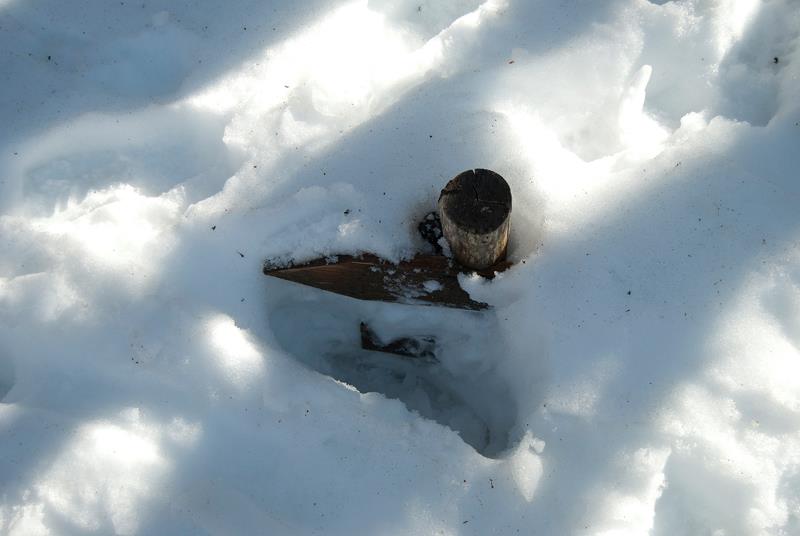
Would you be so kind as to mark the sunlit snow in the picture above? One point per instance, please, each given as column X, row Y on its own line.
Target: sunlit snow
column 637, row 373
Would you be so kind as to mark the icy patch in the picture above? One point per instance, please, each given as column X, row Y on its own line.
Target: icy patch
column 432, row 286
column 525, row 464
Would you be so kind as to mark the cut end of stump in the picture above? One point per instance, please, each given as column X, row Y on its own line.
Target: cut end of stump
column 477, row 200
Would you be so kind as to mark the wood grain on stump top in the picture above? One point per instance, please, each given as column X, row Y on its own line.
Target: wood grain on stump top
column 478, row 201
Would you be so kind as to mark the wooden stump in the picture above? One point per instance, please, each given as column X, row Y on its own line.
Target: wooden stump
column 475, row 209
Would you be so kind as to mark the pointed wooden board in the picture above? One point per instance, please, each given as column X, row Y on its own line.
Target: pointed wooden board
column 423, row 280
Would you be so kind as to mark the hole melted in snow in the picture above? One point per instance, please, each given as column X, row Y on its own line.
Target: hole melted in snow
column 457, row 389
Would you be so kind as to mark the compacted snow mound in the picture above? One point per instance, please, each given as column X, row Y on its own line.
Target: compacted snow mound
column 637, row 372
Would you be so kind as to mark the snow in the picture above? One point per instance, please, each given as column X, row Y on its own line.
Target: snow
column 432, row 285
column 638, row 372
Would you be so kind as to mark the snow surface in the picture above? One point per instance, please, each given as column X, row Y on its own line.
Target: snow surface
column 639, row 372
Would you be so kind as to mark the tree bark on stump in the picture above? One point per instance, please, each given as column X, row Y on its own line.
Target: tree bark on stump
column 475, row 209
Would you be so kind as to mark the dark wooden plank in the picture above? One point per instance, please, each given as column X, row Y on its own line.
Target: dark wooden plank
column 423, row 280
column 420, row 348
